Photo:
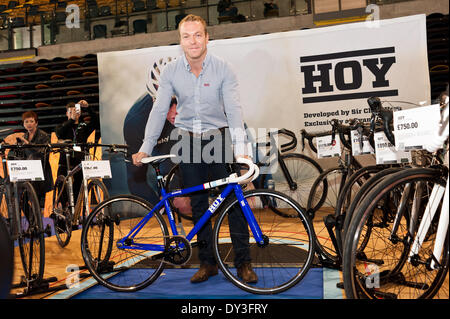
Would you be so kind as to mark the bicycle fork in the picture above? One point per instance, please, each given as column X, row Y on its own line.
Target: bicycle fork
column 430, row 210
column 260, row 239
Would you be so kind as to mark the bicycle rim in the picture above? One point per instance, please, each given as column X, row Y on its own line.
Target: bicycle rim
column 302, row 170
column 320, row 206
column 117, row 268
column 394, row 276
column 288, row 251
column 61, row 215
column 97, row 193
column 31, row 239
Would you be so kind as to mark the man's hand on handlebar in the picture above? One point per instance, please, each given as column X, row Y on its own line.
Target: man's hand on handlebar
column 137, row 157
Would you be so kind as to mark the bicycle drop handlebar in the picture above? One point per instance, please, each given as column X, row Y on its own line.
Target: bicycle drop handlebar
column 61, row 147
column 386, row 116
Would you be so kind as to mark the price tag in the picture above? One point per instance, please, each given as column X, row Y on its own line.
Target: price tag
column 25, row 170
column 326, row 148
column 413, row 128
column 386, row 152
column 96, row 169
column 356, row 146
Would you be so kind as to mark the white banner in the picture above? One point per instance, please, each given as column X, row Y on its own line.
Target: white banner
column 293, row 80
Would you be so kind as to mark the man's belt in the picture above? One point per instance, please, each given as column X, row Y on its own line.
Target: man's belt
column 207, row 133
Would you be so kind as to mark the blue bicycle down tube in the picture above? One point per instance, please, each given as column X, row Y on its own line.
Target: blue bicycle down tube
column 207, row 215
column 257, row 233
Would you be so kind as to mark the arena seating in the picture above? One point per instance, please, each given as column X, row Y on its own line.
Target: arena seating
column 46, row 86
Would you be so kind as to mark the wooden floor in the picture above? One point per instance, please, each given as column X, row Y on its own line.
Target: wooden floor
column 60, row 261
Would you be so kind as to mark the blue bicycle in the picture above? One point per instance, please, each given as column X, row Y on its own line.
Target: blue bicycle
column 126, row 242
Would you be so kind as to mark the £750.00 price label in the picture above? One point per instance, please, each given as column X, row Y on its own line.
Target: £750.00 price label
column 413, row 128
column 25, row 170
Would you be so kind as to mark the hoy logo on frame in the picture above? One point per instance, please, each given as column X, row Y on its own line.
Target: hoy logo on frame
column 347, row 75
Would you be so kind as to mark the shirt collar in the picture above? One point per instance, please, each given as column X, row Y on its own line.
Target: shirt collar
column 204, row 65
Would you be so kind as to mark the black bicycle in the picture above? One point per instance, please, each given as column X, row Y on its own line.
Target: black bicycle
column 69, row 213
column 21, row 211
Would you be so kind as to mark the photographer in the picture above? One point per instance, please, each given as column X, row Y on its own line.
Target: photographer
column 75, row 129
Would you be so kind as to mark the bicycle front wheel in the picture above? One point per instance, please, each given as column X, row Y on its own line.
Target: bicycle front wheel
column 61, row 213
column 97, row 193
column 294, row 176
column 381, row 268
column 319, row 207
column 31, row 238
column 288, row 249
column 117, row 267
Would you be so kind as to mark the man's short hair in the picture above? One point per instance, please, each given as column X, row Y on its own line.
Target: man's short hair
column 29, row 114
column 70, row 104
column 193, row 18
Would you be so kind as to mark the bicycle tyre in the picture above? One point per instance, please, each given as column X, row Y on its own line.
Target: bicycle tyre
column 97, row 193
column 288, row 249
column 355, row 282
column 31, row 239
column 302, row 169
column 318, row 212
column 61, row 214
column 174, row 181
column 367, row 187
column 347, row 195
column 121, row 269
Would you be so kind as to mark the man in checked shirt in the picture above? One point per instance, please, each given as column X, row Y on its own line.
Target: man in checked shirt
column 208, row 107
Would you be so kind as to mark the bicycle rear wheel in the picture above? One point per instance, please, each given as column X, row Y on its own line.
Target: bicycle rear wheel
column 117, row 268
column 302, row 170
column 284, row 258
column 320, row 206
column 363, row 191
column 97, row 193
column 381, row 268
column 61, row 214
column 347, row 197
column 31, row 238
column 174, row 181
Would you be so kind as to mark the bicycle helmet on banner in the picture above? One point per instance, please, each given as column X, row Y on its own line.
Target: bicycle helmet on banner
column 154, row 75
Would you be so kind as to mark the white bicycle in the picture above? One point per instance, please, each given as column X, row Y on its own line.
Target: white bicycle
column 397, row 244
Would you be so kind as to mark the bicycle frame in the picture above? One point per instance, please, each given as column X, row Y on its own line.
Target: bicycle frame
column 430, row 210
column 125, row 243
column 11, row 206
column 12, row 201
column 68, row 179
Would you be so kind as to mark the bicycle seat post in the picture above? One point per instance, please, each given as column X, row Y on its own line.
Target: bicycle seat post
column 159, row 177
